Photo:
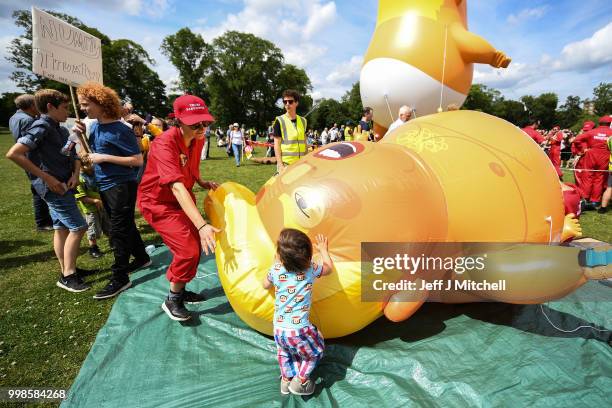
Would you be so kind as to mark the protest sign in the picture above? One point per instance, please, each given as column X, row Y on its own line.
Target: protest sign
column 63, row 52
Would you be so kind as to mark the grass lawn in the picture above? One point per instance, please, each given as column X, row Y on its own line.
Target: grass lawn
column 45, row 332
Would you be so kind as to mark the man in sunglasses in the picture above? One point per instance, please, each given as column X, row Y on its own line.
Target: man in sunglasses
column 289, row 132
column 167, row 202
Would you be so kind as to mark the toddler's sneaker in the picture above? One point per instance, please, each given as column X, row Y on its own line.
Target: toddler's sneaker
column 284, row 387
column 298, row 387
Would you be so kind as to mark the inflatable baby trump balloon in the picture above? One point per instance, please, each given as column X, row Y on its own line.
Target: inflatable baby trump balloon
column 421, row 50
column 453, row 177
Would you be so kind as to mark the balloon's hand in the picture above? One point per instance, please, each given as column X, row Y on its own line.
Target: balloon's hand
column 571, row 228
column 500, row 60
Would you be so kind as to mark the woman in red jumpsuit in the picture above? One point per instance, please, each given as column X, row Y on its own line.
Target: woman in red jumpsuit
column 167, row 203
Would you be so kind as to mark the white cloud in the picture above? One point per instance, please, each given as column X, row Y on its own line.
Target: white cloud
column 347, row 72
column 319, row 17
column 515, row 75
column 296, row 27
column 590, row 53
column 528, row 14
column 152, row 8
column 576, row 57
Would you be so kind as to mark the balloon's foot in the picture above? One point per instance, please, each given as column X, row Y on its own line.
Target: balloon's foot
column 595, row 258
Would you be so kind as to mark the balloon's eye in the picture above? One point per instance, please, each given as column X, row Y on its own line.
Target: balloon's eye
column 339, row 151
column 302, row 204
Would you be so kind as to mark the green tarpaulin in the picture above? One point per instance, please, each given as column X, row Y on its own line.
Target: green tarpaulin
column 485, row 354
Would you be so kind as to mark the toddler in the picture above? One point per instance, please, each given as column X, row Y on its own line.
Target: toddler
column 299, row 343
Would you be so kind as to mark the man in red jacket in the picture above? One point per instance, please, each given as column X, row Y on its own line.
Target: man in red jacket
column 578, row 150
column 596, row 159
column 532, row 132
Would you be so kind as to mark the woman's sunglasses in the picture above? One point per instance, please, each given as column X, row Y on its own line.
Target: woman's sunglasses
column 201, row 125
column 288, row 101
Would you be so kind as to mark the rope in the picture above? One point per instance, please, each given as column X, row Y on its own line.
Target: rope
column 443, row 67
column 570, row 331
column 389, row 108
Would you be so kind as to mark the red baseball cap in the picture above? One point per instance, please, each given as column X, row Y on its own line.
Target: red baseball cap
column 588, row 125
column 190, row 110
column 605, row 119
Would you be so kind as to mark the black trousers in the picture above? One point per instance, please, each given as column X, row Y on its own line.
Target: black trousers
column 119, row 202
column 41, row 210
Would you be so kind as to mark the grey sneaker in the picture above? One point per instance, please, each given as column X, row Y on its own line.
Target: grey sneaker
column 297, row 387
column 284, row 386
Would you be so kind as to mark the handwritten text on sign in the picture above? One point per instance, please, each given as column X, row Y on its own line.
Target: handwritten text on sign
column 63, row 52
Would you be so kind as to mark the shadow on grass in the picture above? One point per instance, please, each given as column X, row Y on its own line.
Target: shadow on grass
column 23, row 260
column 15, row 245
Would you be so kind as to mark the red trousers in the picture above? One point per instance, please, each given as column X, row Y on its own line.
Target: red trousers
column 579, row 176
column 595, row 181
column 571, row 200
column 555, row 157
column 180, row 235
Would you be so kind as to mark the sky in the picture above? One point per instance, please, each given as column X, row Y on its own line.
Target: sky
column 561, row 46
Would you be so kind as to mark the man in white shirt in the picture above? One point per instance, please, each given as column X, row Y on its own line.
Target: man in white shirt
column 405, row 113
column 324, row 137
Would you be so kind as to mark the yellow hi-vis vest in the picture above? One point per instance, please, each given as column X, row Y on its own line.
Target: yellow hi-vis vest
column 293, row 143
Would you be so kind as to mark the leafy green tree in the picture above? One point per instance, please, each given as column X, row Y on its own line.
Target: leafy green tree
column 132, row 78
column 602, row 97
column 542, row 108
column 192, row 57
column 292, row 77
column 481, row 98
column 514, row 112
column 7, row 106
column 247, row 77
column 328, row 112
column 569, row 112
column 352, row 103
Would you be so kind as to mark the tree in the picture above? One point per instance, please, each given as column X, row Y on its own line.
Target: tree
column 542, row 108
column 130, row 76
column 125, row 66
column 602, row 98
column 7, row 106
column 191, row 56
column 328, row 112
column 352, row 102
column 292, row 77
column 481, row 98
column 247, row 76
column 569, row 112
column 514, row 112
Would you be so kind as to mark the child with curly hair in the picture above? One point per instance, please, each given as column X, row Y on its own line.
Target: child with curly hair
column 115, row 157
column 299, row 343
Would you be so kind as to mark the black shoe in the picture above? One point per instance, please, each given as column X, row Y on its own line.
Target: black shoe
column 44, row 228
column 192, row 297
column 586, row 206
column 72, row 283
column 94, row 252
column 139, row 263
column 113, row 288
column 175, row 309
column 602, row 210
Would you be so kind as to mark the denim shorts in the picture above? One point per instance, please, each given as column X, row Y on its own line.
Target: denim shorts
column 64, row 211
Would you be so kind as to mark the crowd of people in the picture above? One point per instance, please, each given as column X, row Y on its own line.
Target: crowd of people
column 92, row 177
column 89, row 180
column 586, row 154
